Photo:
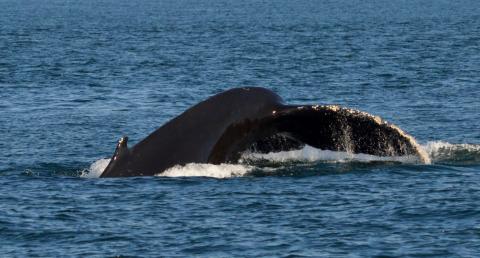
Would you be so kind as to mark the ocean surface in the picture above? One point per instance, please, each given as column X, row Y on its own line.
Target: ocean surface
column 75, row 76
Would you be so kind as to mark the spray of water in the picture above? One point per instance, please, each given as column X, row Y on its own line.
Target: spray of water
column 437, row 151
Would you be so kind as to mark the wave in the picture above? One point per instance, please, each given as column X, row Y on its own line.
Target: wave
column 439, row 152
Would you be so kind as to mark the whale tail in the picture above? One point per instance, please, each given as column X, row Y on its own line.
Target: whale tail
column 327, row 127
column 223, row 127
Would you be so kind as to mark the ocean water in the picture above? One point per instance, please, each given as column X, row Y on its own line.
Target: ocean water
column 77, row 75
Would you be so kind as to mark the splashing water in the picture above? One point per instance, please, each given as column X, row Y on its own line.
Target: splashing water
column 311, row 154
column 207, row 170
column 189, row 170
column 96, row 169
column 438, row 152
column 461, row 154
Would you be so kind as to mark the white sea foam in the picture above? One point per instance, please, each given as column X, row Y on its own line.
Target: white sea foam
column 207, row 170
column 435, row 146
column 438, row 151
column 96, row 168
column 189, row 170
column 311, row 154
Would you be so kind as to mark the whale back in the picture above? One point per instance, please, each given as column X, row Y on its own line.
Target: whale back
column 191, row 136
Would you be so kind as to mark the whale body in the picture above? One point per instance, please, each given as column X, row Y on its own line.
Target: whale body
column 252, row 119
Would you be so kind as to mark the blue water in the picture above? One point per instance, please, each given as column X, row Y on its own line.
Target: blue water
column 77, row 75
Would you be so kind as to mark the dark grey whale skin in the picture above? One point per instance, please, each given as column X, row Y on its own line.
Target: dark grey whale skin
column 219, row 129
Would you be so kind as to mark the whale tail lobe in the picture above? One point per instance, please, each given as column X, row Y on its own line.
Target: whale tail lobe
column 328, row 127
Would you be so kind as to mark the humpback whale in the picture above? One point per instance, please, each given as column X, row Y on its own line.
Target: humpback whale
column 223, row 127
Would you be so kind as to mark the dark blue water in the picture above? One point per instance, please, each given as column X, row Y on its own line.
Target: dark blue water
column 77, row 75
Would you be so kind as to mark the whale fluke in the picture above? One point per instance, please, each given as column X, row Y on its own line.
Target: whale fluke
column 221, row 128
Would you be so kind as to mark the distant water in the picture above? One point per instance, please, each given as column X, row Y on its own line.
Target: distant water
column 77, row 75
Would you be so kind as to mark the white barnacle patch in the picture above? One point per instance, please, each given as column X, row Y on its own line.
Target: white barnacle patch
column 301, row 108
column 334, row 108
column 352, row 111
column 377, row 120
column 274, row 112
column 315, row 107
